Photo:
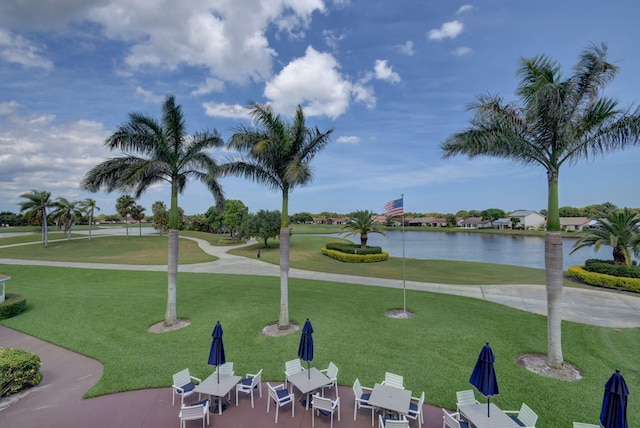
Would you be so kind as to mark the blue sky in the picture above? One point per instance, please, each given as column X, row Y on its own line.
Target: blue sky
column 391, row 77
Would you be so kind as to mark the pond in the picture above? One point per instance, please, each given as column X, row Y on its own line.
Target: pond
column 505, row 249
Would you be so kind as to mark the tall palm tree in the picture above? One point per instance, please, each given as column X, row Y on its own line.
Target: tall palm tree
column 362, row 223
column 35, row 210
column 90, row 206
column 124, row 205
column 277, row 154
column 157, row 152
column 137, row 213
column 619, row 230
column 557, row 122
column 66, row 213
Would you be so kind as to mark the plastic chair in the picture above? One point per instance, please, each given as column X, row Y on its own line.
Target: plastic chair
column 183, row 385
column 394, row 380
column 332, row 373
column 324, row 406
column 292, row 367
column 392, row 423
column 415, row 409
column 583, row 425
column 525, row 417
column 465, row 397
column 248, row 384
column 452, row 420
column 362, row 400
column 281, row 396
column 199, row 410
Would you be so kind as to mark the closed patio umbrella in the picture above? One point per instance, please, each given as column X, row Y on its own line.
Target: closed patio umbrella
column 305, row 349
column 614, row 402
column 483, row 376
column 216, row 354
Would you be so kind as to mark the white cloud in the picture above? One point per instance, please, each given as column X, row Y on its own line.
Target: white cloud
column 313, row 81
column 385, row 72
column 448, row 30
column 406, row 48
column 348, row 139
column 333, row 38
column 464, row 9
column 8, row 107
column 461, row 51
column 148, row 96
column 234, row 111
column 18, row 50
column 210, row 85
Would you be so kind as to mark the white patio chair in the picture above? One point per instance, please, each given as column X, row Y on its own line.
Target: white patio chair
column 394, row 380
column 248, row 384
column 392, row 423
column 292, row 367
column 465, row 397
column 362, row 400
column 324, row 406
column 525, row 417
column 183, row 385
column 199, row 410
column 452, row 420
column 332, row 373
column 583, row 425
column 415, row 409
column 226, row 368
column 281, row 396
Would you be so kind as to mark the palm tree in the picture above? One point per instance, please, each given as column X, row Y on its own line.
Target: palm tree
column 278, row 154
column 556, row 122
column 157, row 152
column 90, row 206
column 619, row 230
column 362, row 223
column 124, row 205
column 66, row 213
column 137, row 213
column 35, row 210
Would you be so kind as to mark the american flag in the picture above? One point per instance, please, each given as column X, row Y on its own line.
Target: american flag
column 394, row 208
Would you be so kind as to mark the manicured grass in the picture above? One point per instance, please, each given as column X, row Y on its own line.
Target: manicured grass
column 105, row 315
column 134, row 250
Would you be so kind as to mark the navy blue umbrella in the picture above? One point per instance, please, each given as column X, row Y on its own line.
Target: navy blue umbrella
column 614, row 402
column 216, row 355
column 305, row 349
column 483, row 376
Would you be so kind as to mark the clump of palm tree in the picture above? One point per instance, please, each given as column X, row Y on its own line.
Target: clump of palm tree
column 277, row 154
column 90, row 206
column 620, row 231
column 557, row 121
column 124, row 207
column 159, row 152
column 66, row 213
column 35, row 210
column 362, row 223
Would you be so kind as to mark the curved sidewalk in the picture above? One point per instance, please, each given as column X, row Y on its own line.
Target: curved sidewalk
column 605, row 308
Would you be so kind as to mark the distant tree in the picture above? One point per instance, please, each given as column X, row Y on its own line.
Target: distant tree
column 160, row 217
column 362, row 223
column 492, row 214
column 463, row 214
column 196, row 222
column 137, row 214
column 65, row 213
column 89, row 206
column 475, row 213
column 124, row 205
column 214, row 219
column 570, row 212
column 35, row 210
column 597, row 211
column 328, row 214
column 543, row 211
column 11, row 219
column 262, row 225
column 234, row 213
column 303, row 217
column 514, row 222
column 618, row 230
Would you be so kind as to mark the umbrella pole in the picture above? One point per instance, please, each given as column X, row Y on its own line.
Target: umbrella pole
column 308, row 371
column 488, row 401
column 218, row 370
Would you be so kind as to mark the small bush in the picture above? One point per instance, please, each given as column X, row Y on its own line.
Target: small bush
column 607, row 267
column 351, row 248
column 18, row 370
column 355, row 258
column 13, row 305
column 604, row 280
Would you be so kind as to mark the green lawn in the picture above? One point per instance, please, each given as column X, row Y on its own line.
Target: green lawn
column 105, row 315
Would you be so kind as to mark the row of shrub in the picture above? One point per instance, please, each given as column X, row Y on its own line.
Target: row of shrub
column 355, row 258
column 605, row 280
column 13, row 305
column 351, row 248
column 18, row 370
column 609, row 268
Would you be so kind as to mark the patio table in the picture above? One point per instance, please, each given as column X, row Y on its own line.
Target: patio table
column 307, row 381
column 211, row 386
column 390, row 398
column 476, row 414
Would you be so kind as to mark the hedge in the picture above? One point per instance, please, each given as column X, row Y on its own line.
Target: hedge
column 351, row 248
column 13, row 305
column 18, row 370
column 355, row 258
column 604, row 280
column 609, row 268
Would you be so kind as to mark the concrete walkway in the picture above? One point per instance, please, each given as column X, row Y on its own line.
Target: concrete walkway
column 605, row 308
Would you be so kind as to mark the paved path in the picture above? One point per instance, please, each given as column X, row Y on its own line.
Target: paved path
column 606, row 308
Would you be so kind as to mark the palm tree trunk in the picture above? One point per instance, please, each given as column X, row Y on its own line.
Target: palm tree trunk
column 90, row 224
column 553, row 275
column 285, row 246
column 45, row 231
column 170, row 317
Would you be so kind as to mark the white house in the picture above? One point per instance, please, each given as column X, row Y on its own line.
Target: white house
column 528, row 219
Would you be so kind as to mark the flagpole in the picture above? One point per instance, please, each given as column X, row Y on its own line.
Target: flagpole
column 404, row 285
